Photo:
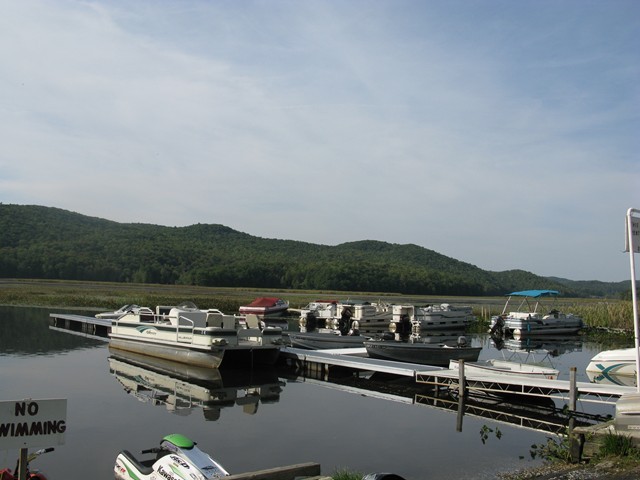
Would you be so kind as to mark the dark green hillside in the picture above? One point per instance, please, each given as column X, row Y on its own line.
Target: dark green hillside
column 43, row 242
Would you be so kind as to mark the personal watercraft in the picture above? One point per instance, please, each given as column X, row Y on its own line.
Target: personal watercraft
column 6, row 474
column 176, row 457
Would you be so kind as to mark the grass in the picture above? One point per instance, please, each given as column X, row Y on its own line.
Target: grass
column 616, row 315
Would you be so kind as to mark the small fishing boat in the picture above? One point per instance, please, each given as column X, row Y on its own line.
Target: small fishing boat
column 325, row 338
column 263, row 306
column 189, row 335
column 416, row 351
column 613, row 366
column 505, row 367
column 529, row 320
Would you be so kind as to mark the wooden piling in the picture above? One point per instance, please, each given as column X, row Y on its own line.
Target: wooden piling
column 289, row 472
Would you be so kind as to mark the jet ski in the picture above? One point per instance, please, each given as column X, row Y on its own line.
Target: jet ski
column 176, row 457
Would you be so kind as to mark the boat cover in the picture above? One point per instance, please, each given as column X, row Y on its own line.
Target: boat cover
column 535, row 293
column 264, row 302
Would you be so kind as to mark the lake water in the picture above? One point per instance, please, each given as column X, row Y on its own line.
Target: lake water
column 252, row 420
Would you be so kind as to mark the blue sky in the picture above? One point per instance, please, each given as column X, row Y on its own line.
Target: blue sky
column 500, row 133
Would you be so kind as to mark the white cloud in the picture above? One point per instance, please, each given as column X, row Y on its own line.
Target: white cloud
column 502, row 136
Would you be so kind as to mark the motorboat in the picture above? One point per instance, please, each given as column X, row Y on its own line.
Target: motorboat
column 321, row 329
column 617, row 367
column 529, row 319
column 189, row 335
column 265, row 306
column 505, row 367
column 414, row 350
column 434, row 317
column 176, row 457
column 330, row 314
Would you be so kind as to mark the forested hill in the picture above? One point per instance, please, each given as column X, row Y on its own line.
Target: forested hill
column 44, row 242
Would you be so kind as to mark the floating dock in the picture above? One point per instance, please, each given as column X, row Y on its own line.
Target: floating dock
column 494, row 383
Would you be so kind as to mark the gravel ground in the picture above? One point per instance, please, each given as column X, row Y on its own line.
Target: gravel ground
column 606, row 470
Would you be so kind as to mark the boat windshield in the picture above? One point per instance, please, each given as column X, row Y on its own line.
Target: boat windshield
column 204, row 462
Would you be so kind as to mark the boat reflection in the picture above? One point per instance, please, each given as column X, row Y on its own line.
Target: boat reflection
column 182, row 388
column 552, row 346
column 533, row 412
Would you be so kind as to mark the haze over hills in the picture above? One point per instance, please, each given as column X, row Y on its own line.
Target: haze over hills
column 47, row 242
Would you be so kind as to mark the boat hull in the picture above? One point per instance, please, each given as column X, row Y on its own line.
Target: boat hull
column 617, row 367
column 319, row 341
column 504, row 367
column 208, row 359
column 425, row 354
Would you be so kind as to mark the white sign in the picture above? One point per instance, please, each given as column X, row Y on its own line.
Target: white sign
column 632, row 226
column 32, row 423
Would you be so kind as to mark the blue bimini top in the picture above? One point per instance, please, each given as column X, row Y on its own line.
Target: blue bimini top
column 535, row 293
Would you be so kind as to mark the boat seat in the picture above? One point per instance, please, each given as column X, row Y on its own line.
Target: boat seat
column 145, row 467
column 252, row 321
column 215, row 320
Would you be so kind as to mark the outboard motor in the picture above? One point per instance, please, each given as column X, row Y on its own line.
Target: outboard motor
column 498, row 326
column 404, row 325
column 355, row 328
column 312, row 322
column 345, row 320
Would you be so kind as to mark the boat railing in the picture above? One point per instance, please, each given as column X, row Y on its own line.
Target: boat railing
column 190, row 324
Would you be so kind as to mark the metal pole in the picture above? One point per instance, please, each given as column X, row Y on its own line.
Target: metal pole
column 636, row 326
column 22, row 469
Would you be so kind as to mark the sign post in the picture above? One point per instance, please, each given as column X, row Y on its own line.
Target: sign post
column 632, row 245
column 32, row 423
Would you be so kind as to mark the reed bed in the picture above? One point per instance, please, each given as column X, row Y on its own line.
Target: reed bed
column 103, row 296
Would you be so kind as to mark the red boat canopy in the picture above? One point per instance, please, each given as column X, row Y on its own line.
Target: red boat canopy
column 264, row 302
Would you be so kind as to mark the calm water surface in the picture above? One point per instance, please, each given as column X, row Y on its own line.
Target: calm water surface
column 252, row 419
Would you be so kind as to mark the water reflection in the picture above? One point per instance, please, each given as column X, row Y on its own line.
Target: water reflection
column 182, row 388
column 554, row 346
column 24, row 332
column 531, row 412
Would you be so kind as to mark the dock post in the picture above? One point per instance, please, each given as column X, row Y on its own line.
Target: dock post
column 461, row 394
column 461, row 379
column 575, row 441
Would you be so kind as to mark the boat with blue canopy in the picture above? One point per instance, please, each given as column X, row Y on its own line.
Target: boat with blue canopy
column 533, row 317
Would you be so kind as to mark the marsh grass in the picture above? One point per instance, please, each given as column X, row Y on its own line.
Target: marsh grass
column 343, row 474
column 612, row 314
column 617, row 445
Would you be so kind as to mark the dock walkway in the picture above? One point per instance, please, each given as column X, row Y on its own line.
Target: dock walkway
column 443, row 377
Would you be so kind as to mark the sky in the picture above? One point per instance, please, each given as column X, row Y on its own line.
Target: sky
column 504, row 134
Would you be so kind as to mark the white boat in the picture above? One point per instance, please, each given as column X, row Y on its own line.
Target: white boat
column 434, row 317
column 346, row 317
column 505, row 367
column 189, row 335
column 529, row 319
column 617, row 367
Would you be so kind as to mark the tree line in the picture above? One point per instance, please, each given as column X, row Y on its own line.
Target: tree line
column 45, row 242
